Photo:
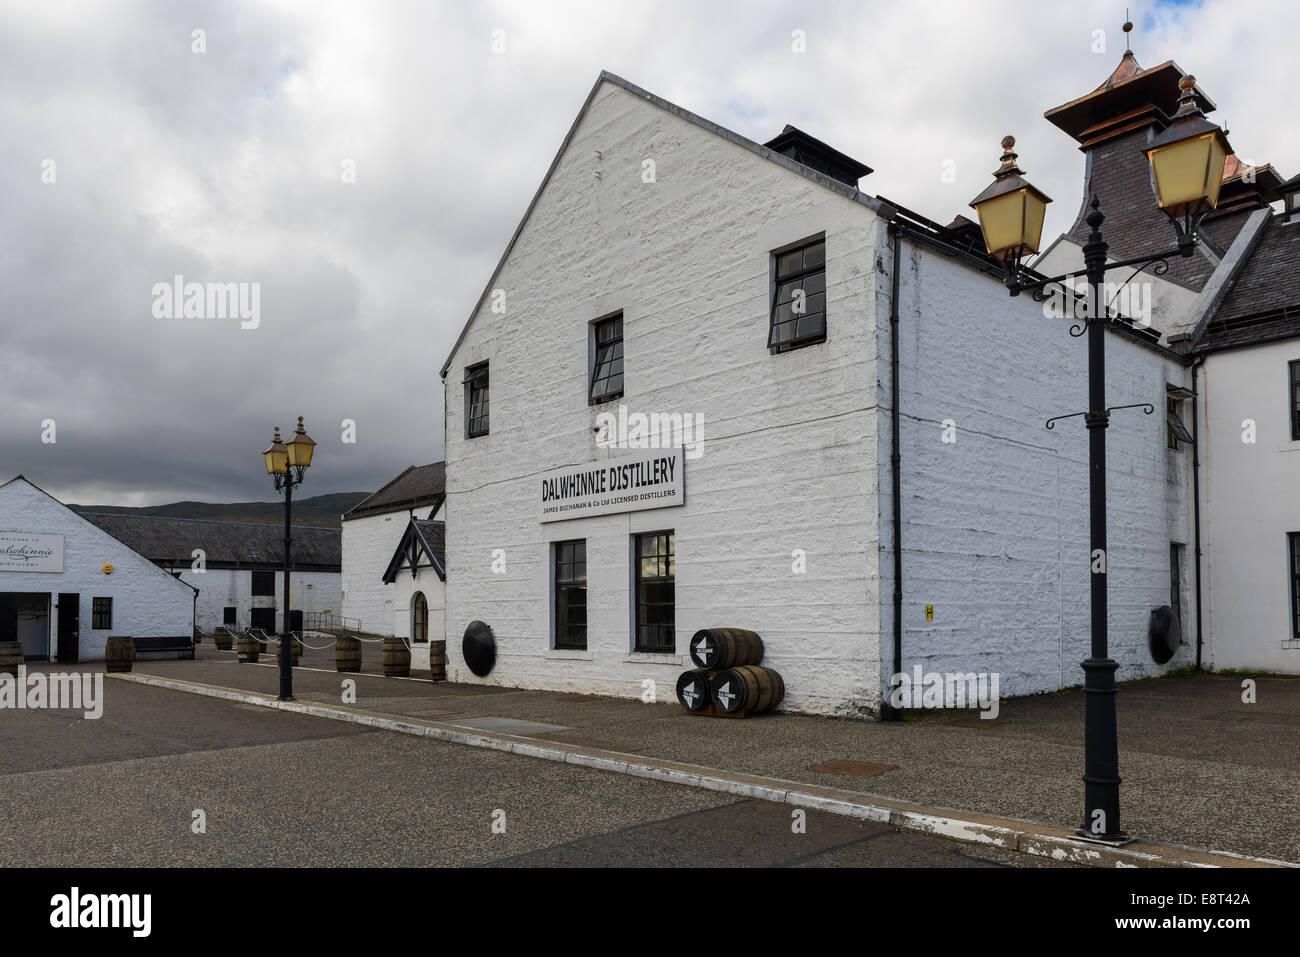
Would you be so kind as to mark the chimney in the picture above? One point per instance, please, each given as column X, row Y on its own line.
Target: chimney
column 818, row 156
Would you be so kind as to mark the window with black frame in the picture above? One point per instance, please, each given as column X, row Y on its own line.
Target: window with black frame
column 1176, row 581
column 570, row 593
column 476, row 400
column 607, row 363
column 799, row 297
column 656, row 619
column 101, row 613
column 1295, row 399
column 1294, row 541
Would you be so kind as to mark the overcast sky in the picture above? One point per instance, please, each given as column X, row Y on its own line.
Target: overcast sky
column 228, row 165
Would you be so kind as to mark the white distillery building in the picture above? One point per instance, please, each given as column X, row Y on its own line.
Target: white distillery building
column 398, row 527
column 238, row 567
column 655, row 274
column 67, row 586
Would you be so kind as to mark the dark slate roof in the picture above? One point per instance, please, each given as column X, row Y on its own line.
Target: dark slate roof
column 1263, row 302
column 422, row 540
column 435, row 536
column 1270, row 278
column 171, row 541
column 418, row 486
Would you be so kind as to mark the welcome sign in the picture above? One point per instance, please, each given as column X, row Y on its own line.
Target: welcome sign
column 29, row 552
column 630, row 483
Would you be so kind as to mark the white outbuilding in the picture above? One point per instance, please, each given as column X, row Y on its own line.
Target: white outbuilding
column 238, row 567
column 378, row 534
column 67, row 585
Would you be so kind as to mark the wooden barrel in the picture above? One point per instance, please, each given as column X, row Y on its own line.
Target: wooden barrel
column 347, row 653
column 248, row 647
column 222, row 639
column 717, row 648
column 693, row 689
column 438, row 660
column 294, row 655
column 119, row 654
column 747, row 688
column 397, row 658
column 11, row 656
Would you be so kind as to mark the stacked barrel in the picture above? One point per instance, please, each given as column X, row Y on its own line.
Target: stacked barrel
column 728, row 678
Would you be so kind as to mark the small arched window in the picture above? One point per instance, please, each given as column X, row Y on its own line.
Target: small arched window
column 419, row 617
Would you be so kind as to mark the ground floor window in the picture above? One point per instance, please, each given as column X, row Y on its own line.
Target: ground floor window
column 228, row 615
column 655, row 597
column 101, row 613
column 1176, row 581
column 419, row 617
column 569, row 593
column 1294, row 541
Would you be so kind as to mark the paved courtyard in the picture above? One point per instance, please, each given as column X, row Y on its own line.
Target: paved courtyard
column 280, row 789
column 1201, row 768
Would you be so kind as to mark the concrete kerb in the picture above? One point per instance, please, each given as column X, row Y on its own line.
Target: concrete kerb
column 1021, row 836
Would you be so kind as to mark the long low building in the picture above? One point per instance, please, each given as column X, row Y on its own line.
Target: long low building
column 67, row 585
column 238, row 567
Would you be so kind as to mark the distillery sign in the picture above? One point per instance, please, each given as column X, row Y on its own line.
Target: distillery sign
column 651, row 479
column 28, row 552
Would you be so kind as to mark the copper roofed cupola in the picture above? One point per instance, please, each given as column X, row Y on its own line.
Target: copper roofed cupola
column 1114, row 125
column 1130, row 99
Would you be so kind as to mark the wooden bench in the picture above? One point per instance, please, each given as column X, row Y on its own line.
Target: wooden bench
column 181, row 646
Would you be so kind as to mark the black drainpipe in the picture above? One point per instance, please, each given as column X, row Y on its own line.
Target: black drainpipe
column 1196, row 502
column 895, row 467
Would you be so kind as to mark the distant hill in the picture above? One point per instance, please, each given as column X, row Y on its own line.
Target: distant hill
column 322, row 510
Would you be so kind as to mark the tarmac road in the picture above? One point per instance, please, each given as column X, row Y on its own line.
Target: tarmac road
column 278, row 789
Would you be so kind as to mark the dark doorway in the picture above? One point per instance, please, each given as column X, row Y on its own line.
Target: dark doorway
column 8, row 616
column 69, row 646
column 228, row 616
column 295, row 620
column 264, row 618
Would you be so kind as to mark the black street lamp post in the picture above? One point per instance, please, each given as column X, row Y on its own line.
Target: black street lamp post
column 1187, row 162
column 286, row 463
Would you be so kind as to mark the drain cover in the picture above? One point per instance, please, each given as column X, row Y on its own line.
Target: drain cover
column 858, row 769
column 506, row 725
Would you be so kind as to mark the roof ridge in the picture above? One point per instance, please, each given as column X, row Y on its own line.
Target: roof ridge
column 210, row 521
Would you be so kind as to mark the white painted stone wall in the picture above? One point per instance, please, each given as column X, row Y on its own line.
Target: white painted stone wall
column 147, row 601
column 368, row 546
column 996, row 523
column 789, row 459
column 1251, row 500
column 404, row 589
column 1173, row 305
column 222, row 587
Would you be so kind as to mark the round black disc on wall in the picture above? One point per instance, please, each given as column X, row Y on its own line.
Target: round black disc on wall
column 479, row 648
column 1164, row 634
